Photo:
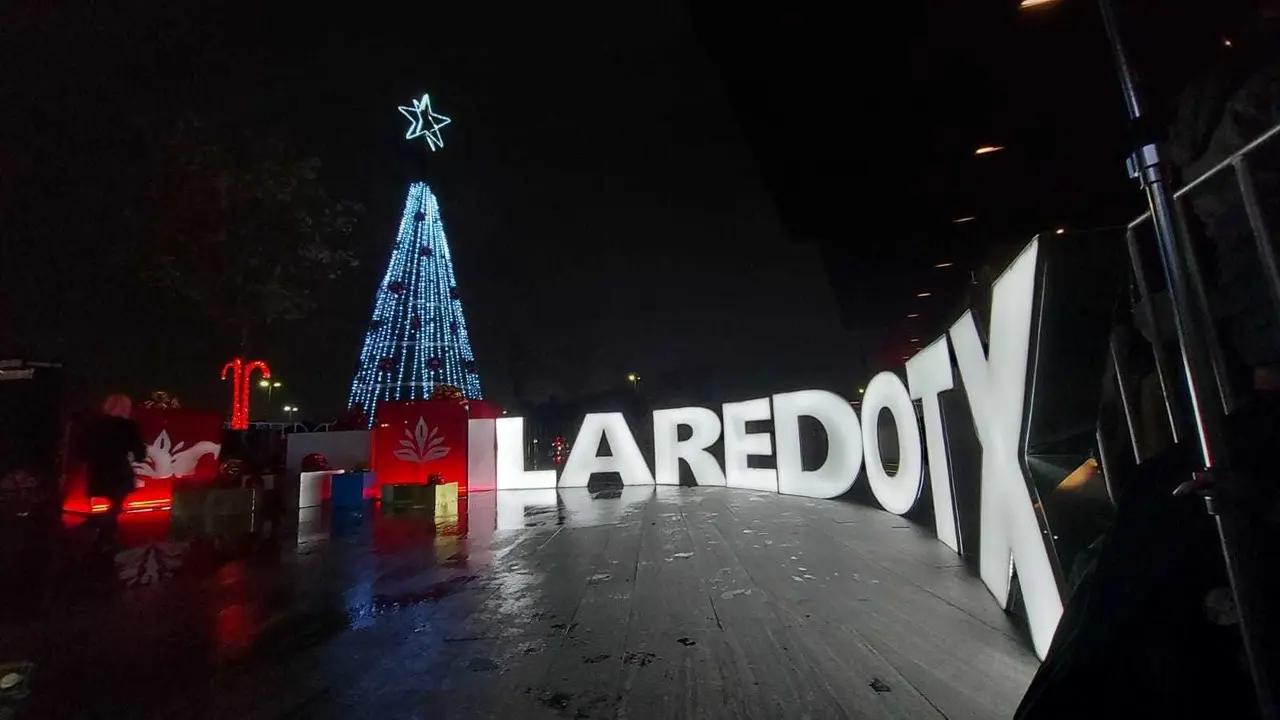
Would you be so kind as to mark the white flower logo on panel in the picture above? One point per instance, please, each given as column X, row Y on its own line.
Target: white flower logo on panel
column 164, row 459
column 422, row 446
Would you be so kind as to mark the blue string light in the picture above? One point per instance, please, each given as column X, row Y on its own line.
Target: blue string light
column 418, row 337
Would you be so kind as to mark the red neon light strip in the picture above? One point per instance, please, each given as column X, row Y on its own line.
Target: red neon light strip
column 98, row 508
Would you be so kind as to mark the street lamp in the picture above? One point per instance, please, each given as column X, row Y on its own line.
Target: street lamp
column 290, row 410
column 268, row 386
column 634, row 379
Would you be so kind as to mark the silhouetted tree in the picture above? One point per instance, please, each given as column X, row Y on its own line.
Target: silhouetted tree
column 245, row 229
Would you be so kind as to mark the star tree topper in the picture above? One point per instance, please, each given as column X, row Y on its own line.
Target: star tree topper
column 418, row 121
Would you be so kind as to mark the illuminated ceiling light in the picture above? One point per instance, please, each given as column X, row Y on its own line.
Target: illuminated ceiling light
column 1060, row 231
column 923, row 294
column 988, row 149
column 957, row 221
column 944, row 265
column 914, row 315
column 1034, row 3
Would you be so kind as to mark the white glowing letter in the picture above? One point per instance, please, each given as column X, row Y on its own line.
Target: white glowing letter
column 928, row 375
column 899, row 492
column 739, row 444
column 510, row 460
column 669, row 449
column 996, row 384
column 482, row 462
column 844, row 443
column 585, row 460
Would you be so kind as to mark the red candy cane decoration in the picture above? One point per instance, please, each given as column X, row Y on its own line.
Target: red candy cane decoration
column 241, row 373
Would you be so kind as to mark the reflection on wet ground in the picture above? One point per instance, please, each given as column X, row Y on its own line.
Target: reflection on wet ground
column 632, row 601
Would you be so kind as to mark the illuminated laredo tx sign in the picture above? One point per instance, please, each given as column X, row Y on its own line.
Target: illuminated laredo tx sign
column 997, row 384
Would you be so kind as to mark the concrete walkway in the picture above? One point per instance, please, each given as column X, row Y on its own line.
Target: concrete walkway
column 639, row 603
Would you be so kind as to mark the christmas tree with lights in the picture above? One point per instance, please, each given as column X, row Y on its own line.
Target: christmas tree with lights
column 417, row 339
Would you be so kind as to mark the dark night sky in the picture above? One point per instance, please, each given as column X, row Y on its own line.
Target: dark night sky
column 671, row 190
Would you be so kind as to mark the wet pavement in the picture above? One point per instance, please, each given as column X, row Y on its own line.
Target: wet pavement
column 635, row 602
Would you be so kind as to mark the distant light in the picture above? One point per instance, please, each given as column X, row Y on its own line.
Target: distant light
column 632, row 377
column 915, row 340
column 957, row 221
column 1034, row 3
column 275, row 385
column 264, row 383
column 944, row 265
column 861, row 391
column 923, row 294
column 1226, row 42
column 988, row 149
column 914, row 315
column 1060, row 231
column 905, row 357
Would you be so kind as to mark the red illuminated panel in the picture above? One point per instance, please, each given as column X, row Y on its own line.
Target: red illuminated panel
column 181, row 444
column 415, row 439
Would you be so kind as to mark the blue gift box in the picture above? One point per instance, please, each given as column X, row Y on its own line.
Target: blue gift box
column 346, row 491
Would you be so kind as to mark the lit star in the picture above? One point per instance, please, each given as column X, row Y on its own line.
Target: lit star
column 417, row 122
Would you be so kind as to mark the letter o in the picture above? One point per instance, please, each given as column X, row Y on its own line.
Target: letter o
column 899, row 492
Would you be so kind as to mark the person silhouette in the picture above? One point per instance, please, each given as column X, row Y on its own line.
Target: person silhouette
column 113, row 443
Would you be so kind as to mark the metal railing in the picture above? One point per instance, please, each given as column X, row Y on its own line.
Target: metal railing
column 1200, row 395
column 1149, row 300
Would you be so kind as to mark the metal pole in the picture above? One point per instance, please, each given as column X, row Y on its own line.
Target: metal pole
column 1224, row 492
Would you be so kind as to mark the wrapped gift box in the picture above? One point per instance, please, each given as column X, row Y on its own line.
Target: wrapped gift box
column 316, row 487
column 442, row 500
column 219, row 512
column 447, row 500
column 408, row 496
column 346, row 492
